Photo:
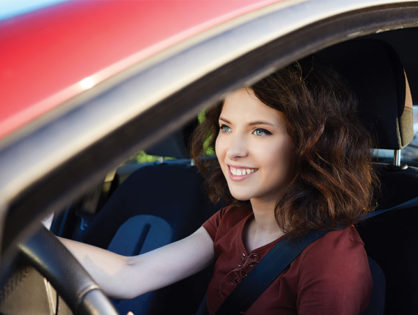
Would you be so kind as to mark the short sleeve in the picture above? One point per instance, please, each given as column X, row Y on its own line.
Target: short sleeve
column 335, row 276
column 211, row 225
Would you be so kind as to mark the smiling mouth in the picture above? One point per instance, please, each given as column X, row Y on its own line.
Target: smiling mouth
column 240, row 173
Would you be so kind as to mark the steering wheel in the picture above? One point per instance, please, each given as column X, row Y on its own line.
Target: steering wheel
column 72, row 282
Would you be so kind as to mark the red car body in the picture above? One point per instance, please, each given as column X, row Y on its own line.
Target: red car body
column 45, row 54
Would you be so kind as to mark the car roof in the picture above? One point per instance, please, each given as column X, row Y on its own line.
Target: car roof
column 53, row 53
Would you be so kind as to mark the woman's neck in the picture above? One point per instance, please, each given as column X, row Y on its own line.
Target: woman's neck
column 263, row 229
column 264, row 219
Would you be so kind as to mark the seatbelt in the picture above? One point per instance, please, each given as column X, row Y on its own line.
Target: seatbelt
column 275, row 261
column 407, row 204
column 265, row 272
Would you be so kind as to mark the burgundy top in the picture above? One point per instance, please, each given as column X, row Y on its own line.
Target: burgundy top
column 331, row 276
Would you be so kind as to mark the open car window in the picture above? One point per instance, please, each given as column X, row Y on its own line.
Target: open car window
column 409, row 154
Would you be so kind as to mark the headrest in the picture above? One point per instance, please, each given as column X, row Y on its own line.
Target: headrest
column 374, row 71
column 174, row 144
column 170, row 146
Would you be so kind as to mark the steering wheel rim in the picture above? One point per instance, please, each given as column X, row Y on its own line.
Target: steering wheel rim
column 72, row 282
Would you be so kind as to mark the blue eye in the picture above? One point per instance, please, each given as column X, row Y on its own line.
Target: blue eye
column 261, row 132
column 225, row 128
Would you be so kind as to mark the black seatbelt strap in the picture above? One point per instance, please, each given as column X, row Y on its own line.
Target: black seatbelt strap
column 265, row 272
column 275, row 261
column 407, row 204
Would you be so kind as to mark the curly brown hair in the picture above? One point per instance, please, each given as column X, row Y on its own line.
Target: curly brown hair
column 333, row 180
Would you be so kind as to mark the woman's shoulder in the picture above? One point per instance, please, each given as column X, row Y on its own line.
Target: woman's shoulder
column 345, row 241
column 343, row 236
column 335, row 270
column 341, row 250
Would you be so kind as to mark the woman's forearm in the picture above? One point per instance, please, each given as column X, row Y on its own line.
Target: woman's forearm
column 127, row 277
column 109, row 270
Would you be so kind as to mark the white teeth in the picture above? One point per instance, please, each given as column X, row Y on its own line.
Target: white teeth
column 241, row 172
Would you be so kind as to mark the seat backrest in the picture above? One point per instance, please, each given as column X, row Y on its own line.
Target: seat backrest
column 170, row 190
column 390, row 239
column 157, row 204
column 377, row 298
column 375, row 73
column 137, row 235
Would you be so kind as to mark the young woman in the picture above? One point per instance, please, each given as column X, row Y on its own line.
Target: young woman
column 291, row 158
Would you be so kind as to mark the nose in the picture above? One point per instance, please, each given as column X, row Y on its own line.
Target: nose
column 237, row 147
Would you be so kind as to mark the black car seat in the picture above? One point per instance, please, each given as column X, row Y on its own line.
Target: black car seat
column 375, row 72
column 159, row 203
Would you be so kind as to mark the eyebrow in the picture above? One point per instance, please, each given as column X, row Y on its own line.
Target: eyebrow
column 258, row 122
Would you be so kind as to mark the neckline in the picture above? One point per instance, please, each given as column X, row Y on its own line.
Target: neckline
column 258, row 249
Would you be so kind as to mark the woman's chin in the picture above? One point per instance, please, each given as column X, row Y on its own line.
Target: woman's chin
column 240, row 196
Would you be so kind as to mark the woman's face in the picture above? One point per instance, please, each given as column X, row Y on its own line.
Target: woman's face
column 253, row 147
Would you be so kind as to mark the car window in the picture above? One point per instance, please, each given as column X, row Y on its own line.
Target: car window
column 409, row 154
column 142, row 157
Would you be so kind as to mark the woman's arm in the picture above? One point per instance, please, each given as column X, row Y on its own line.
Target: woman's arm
column 127, row 277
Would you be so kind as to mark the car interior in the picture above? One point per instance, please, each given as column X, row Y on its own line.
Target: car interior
column 148, row 208
column 142, row 206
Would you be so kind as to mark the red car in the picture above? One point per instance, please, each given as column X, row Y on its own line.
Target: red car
column 86, row 85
